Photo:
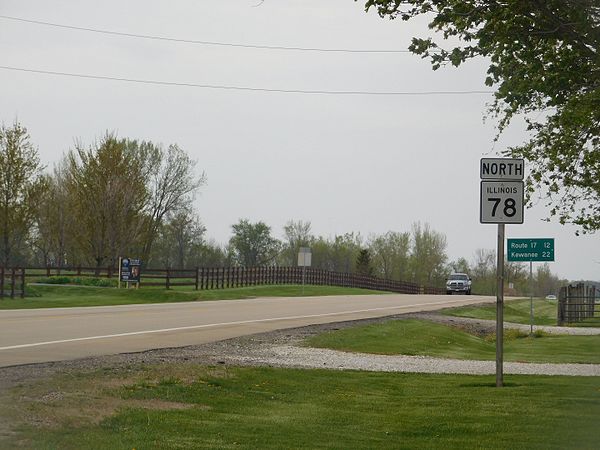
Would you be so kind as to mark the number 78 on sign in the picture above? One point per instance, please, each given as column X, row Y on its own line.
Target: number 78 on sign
column 502, row 198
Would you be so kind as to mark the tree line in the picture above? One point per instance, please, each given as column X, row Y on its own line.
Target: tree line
column 114, row 197
column 120, row 197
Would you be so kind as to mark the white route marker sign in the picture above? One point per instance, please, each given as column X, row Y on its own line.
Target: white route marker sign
column 501, row 202
column 502, row 193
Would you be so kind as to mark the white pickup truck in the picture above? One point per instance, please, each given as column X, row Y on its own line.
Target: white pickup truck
column 459, row 283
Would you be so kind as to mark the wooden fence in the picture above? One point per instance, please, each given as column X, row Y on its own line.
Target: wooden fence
column 576, row 303
column 12, row 282
column 229, row 277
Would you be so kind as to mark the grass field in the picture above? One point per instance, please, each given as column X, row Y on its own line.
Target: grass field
column 194, row 407
column 518, row 311
column 419, row 337
column 69, row 296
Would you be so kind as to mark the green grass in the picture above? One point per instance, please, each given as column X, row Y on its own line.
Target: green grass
column 419, row 337
column 265, row 408
column 516, row 311
column 70, row 296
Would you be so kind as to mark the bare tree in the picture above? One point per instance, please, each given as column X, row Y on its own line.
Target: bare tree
column 297, row 234
column 172, row 187
column 20, row 172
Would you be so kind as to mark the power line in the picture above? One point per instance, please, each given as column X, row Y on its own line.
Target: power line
column 199, row 42
column 243, row 88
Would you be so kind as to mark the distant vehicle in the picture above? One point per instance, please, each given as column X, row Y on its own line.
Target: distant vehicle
column 551, row 297
column 459, row 283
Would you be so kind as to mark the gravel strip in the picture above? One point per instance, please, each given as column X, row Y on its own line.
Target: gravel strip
column 305, row 357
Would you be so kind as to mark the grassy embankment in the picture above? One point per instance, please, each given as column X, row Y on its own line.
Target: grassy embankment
column 189, row 406
column 518, row 311
column 420, row 337
column 70, row 296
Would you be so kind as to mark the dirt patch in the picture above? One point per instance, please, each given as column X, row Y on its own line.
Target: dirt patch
column 75, row 399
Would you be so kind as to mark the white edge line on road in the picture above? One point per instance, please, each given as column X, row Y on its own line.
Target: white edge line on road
column 209, row 325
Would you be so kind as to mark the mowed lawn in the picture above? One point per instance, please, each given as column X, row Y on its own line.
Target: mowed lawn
column 71, row 296
column 421, row 337
column 192, row 407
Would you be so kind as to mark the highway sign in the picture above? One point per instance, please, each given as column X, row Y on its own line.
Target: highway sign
column 501, row 202
column 304, row 257
column 535, row 249
column 501, row 169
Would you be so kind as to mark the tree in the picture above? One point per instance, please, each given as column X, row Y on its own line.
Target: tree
column 544, row 59
column 483, row 272
column 428, row 256
column 52, row 225
column 545, row 281
column 210, row 254
column 172, row 185
column 516, row 273
column 107, row 194
column 20, row 184
column 120, row 193
column 252, row 243
column 363, row 263
column 344, row 251
column 297, row 234
column 179, row 240
column 338, row 254
column 391, row 255
column 461, row 265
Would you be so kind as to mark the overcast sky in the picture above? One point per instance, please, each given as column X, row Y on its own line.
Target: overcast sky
column 362, row 163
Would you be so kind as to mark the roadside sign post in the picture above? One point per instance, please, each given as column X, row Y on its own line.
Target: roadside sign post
column 500, row 308
column 129, row 271
column 501, row 201
column 304, row 259
column 533, row 249
column 530, row 298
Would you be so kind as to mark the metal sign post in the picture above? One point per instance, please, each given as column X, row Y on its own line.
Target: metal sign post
column 530, row 298
column 500, row 307
column 501, row 201
column 530, row 249
column 304, row 259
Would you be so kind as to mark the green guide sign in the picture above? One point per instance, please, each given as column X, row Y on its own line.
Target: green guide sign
column 530, row 249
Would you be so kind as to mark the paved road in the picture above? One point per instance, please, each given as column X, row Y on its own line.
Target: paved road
column 30, row 336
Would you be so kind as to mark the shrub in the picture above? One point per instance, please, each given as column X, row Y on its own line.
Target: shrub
column 54, row 280
column 80, row 281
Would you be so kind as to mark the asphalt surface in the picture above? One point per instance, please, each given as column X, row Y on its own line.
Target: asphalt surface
column 43, row 335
